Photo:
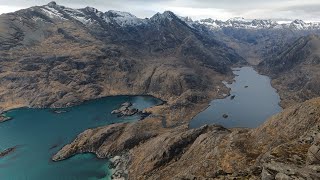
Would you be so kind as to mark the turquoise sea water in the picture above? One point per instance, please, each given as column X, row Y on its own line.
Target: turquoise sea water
column 254, row 101
column 40, row 133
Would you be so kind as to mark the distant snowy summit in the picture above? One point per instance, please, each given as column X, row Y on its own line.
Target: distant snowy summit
column 91, row 15
column 242, row 23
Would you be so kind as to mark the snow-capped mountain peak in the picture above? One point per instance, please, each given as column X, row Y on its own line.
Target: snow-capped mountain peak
column 123, row 18
column 298, row 24
column 90, row 15
column 238, row 19
column 241, row 23
column 167, row 15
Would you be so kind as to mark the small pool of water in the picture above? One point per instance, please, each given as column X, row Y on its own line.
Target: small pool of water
column 40, row 133
column 254, row 101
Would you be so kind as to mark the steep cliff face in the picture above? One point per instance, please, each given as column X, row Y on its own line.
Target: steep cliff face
column 286, row 145
column 54, row 56
column 295, row 71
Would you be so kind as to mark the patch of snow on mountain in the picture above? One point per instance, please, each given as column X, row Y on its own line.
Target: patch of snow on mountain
column 123, row 18
column 37, row 19
column 187, row 20
column 242, row 23
column 52, row 13
column 239, row 19
column 299, row 25
column 78, row 15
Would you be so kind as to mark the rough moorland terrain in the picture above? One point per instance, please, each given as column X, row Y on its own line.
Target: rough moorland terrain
column 285, row 146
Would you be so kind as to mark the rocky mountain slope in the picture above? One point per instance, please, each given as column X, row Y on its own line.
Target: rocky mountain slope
column 285, row 147
column 295, row 71
column 256, row 39
column 54, row 56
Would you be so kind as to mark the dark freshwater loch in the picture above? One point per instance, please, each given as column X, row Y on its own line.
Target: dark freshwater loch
column 254, row 101
column 40, row 133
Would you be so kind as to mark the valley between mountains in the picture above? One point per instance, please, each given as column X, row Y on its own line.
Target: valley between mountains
column 55, row 56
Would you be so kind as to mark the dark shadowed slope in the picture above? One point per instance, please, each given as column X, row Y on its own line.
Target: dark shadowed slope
column 295, row 71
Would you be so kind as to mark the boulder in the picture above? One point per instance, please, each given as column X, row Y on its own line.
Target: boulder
column 225, row 116
column 266, row 175
column 281, row 176
column 313, row 155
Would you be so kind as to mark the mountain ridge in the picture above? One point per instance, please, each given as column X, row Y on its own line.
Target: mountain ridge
column 52, row 59
column 128, row 19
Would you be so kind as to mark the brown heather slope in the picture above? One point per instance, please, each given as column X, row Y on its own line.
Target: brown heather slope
column 287, row 145
column 57, row 60
column 295, row 72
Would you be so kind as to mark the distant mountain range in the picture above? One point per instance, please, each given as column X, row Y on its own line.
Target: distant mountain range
column 89, row 15
column 242, row 23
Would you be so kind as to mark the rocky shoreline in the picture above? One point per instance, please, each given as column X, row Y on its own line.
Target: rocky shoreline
column 8, row 151
column 119, row 166
column 287, row 145
column 4, row 118
column 125, row 109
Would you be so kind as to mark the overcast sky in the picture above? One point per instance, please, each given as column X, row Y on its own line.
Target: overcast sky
column 308, row 10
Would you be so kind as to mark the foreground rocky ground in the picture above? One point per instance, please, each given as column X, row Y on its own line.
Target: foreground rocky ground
column 286, row 146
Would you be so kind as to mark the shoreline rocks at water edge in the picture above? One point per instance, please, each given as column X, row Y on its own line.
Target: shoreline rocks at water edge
column 119, row 167
column 4, row 118
column 125, row 110
column 7, row 151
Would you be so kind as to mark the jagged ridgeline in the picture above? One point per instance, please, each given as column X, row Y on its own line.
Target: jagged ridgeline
column 56, row 56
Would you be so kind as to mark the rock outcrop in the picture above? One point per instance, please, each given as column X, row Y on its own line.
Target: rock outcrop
column 8, row 151
column 125, row 110
column 4, row 118
column 285, row 146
